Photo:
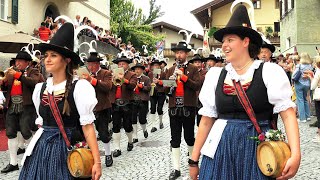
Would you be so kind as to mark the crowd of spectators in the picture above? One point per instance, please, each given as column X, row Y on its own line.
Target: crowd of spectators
column 48, row 28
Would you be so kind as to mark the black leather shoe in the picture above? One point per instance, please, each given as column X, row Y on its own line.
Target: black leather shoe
column 10, row 168
column 130, row 147
column 135, row 140
column 174, row 175
column 154, row 129
column 109, row 161
column 21, row 151
column 161, row 126
column 116, row 153
column 145, row 134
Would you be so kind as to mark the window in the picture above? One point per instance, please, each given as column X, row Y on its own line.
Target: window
column 3, row 9
column 277, row 2
column 256, row 4
column 288, row 43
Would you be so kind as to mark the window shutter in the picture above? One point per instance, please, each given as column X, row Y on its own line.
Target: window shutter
column 15, row 15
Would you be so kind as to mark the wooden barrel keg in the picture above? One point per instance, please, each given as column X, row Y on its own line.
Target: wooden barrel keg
column 80, row 162
column 272, row 157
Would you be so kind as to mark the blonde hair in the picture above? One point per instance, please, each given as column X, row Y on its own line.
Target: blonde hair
column 305, row 58
column 317, row 61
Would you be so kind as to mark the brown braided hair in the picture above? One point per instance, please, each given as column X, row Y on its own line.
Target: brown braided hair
column 69, row 74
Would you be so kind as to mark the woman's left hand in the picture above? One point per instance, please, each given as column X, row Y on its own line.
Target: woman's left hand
column 291, row 168
column 96, row 171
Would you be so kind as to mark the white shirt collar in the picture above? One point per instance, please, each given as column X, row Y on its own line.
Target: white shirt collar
column 232, row 73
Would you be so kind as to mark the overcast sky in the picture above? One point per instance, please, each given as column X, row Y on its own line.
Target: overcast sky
column 177, row 12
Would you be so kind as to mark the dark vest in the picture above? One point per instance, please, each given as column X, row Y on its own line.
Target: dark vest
column 71, row 121
column 229, row 107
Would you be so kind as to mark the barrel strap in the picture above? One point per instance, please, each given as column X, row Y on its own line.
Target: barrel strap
column 57, row 116
column 243, row 98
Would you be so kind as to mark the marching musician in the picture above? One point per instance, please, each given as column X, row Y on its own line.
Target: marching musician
column 121, row 98
column 182, row 103
column 157, row 94
column 197, row 60
column 101, row 80
column 141, row 101
column 21, row 113
column 266, row 51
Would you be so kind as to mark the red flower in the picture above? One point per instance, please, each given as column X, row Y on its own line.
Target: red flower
column 261, row 137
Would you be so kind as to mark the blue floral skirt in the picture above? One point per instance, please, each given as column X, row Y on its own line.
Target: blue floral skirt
column 49, row 157
column 235, row 158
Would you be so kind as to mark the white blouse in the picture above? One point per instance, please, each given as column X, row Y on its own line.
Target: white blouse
column 274, row 77
column 316, row 80
column 84, row 97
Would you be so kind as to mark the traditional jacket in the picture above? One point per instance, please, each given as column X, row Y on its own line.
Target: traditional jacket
column 102, row 84
column 191, row 84
column 28, row 80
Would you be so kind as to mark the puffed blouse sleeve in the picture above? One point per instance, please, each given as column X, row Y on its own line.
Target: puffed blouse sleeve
column 207, row 93
column 278, row 87
column 36, row 101
column 85, row 100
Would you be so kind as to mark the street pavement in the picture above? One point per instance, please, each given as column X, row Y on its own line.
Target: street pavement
column 150, row 158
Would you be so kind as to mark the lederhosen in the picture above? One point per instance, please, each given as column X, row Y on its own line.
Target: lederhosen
column 140, row 108
column 103, row 117
column 182, row 117
column 20, row 117
column 157, row 100
column 122, row 114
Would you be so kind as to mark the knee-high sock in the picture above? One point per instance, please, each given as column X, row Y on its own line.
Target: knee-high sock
column 116, row 140
column 152, row 119
column 135, row 129
column 107, row 149
column 129, row 137
column 176, row 158
column 143, row 127
column 190, row 149
column 13, row 148
column 20, row 140
column 160, row 119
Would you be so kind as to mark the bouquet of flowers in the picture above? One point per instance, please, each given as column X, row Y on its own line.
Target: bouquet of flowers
column 270, row 135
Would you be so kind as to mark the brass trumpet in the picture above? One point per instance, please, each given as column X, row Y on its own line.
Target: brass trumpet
column 6, row 72
column 117, row 81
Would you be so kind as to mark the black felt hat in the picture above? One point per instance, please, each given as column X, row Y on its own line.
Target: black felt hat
column 271, row 47
column 62, row 42
column 155, row 61
column 163, row 61
column 138, row 65
column 181, row 46
column 196, row 57
column 211, row 57
column 94, row 57
column 122, row 58
column 23, row 55
column 239, row 24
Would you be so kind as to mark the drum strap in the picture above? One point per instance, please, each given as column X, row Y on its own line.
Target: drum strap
column 57, row 116
column 244, row 100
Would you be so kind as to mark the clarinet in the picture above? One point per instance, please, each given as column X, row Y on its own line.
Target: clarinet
column 174, row 76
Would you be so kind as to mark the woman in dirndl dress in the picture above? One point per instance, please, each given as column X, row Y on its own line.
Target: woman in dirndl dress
column 225, row 126
column 46, row 155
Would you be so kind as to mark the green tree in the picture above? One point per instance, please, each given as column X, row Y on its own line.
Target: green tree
column 131, row 24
